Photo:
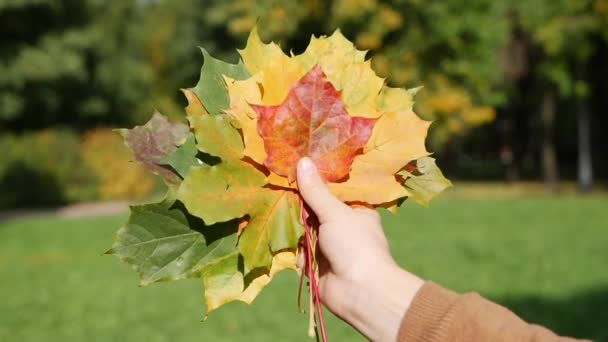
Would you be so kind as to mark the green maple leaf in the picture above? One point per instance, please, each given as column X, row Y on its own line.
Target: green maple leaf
column 211, row 87
column 223, row 280
column 426, row 182
column 216, row 136
column 237, row 189
column 162, row 242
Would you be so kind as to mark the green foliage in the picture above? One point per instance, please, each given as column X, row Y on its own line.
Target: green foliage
column 105, row 153
column 85, row 63
column 42, row 169
column 70, row 59
column 439, row 45
column 447, row 47
column 565, row 32
column 56, row 166
column 112, row 62
column 281, row 18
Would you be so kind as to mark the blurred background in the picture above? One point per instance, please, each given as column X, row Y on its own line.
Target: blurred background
column 518, row 91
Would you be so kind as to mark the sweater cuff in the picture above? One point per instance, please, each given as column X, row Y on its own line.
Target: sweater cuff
column 429, row 307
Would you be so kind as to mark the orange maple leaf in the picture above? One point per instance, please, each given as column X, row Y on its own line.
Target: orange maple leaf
column 312, row 121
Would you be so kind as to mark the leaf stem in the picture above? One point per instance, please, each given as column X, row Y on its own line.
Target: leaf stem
column 312, row 330
column 310, row 270
column 302, row 274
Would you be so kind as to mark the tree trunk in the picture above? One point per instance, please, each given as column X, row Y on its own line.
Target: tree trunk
column 585, row 168
column 549, row 158
column 507, row 153
column 585, row 165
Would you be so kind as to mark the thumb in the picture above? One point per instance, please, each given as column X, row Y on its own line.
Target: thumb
column 315, row 192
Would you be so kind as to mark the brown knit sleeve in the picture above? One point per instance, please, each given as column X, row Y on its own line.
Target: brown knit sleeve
column 438, row 315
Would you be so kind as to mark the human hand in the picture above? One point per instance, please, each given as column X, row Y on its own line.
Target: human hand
column 359, row 280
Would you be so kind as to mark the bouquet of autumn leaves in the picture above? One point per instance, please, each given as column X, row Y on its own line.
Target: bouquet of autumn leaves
column 233, row 215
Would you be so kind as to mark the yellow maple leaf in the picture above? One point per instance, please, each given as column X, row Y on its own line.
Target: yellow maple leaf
column 242, row 93
column 277, row 71
column 281, row 261
column 398, row 138
column 225, row 288
column 364, row 183
column 396, row 99
column 195, row 106
column 333, row 53
column 360, row 88
column 281, row 181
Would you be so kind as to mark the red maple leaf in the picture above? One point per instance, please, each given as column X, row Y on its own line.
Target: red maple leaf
column 312, row 121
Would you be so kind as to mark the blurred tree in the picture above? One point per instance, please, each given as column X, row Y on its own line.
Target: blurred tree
column 70, row 62
column 439, row 45
column 83, row 63
column 563, row 35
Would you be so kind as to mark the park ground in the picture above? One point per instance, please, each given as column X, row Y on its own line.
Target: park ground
column 543, row 256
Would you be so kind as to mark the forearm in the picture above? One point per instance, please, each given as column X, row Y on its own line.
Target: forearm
column 378, row 301
column 390, row 304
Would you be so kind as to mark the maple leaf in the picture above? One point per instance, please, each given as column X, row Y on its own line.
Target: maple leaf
column 312, row 121
column 195, row 106
column 182, row 158
column 398, row 138
column 360, row 87
column 242, row 93
column 277, row 71
column 163, row 242
column 347, row 70
column 211, row 89
column 426, row 182
column 236, row 189
column 333, row 53
column 364, row 183
column 216, row 136
column 224, row 281
column 397, row 99
column 154, row 141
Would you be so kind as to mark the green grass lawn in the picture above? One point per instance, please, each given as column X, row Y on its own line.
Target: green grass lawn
column 545, row 258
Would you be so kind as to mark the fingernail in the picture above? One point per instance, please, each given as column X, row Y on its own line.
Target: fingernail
column 306, row 165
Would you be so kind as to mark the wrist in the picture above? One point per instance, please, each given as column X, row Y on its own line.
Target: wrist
column 379, row 301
